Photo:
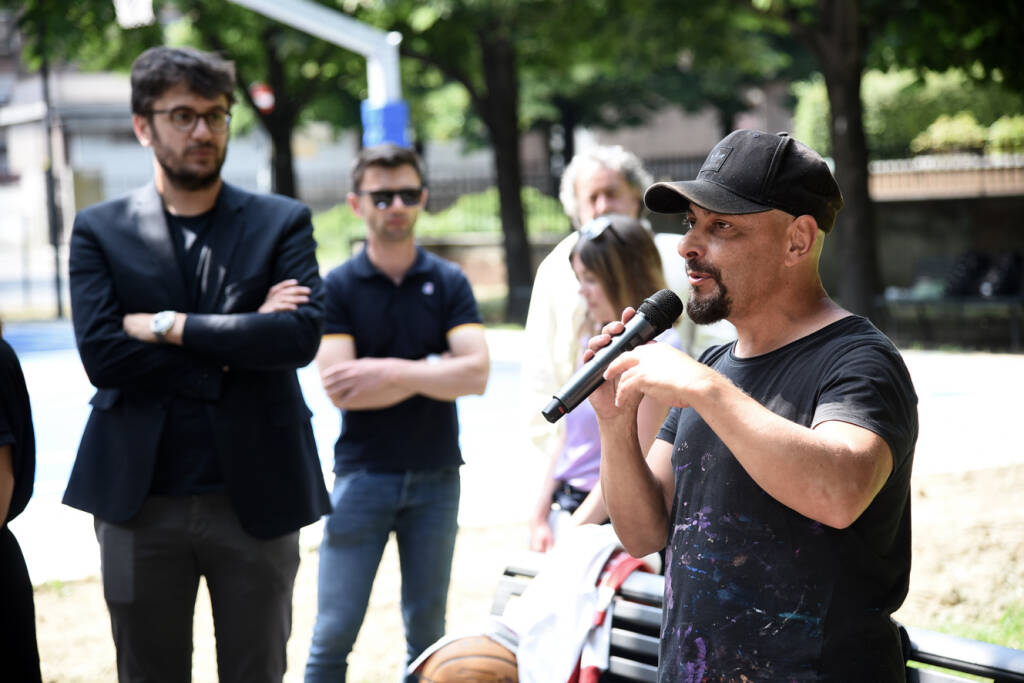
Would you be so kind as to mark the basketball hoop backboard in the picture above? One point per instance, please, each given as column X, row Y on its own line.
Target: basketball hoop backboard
column 134, row 13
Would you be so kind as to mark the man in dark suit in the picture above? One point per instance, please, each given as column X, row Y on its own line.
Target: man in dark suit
column 194, row 302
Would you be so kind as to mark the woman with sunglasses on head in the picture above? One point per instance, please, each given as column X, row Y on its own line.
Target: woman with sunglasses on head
column 617, row 265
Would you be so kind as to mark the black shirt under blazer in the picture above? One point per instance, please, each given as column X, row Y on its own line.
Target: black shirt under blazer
column 243, row 363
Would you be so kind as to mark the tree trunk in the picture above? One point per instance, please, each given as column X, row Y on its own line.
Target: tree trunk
column 569, row 115
column 840, row 46
column 281, row 166
column 280, row 123
column 502, row 118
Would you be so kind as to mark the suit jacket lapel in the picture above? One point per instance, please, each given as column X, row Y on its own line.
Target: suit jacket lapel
column 152, row 229
column 226, row 230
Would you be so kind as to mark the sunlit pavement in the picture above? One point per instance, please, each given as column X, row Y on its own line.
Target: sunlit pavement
column 498, row 480
column 970, row 406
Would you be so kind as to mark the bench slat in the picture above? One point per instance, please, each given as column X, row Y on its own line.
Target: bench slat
column 645, row 615
column 634, row 671
column 968, row 656
column 632, row 642
column 645, row 587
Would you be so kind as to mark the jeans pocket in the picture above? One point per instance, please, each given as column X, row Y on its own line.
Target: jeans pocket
column 361, row 502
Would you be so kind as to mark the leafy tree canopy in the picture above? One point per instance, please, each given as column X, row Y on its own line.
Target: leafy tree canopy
column 900, row 104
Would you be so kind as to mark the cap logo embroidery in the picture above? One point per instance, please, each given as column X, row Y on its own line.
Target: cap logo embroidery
column 716, row 159
column 428, row 288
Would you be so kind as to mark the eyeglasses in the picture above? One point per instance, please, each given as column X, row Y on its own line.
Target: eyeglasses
column 595, row 227
column 383, row 199
column 185, row 118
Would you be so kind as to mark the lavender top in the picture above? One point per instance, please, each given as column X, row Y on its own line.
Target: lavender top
column 579, row 463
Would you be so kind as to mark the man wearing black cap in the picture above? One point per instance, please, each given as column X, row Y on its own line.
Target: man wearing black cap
column 780, row 481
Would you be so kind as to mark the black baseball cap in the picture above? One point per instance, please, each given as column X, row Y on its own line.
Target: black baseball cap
column 751, row 171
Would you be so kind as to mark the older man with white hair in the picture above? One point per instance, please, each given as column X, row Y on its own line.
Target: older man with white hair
column 598, row 181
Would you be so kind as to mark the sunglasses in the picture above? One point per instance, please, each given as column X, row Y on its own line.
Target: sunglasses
column 185, row 118
column 596, row 227
column 383, row 199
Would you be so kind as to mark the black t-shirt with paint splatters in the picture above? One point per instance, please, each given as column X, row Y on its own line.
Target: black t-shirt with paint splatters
column 757, row 592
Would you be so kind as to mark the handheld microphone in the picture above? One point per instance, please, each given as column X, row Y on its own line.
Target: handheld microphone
column 654, row 316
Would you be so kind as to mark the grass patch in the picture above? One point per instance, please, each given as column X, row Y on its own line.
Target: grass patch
column 959, row 675
column 1008, row 631
column 55, row 586
column 492, row 310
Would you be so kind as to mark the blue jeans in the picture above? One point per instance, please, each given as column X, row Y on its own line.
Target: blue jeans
column 422, row 509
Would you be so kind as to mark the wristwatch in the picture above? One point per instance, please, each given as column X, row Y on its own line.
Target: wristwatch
column 161, row 324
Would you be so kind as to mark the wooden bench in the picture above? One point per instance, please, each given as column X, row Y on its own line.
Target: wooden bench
column 636, row 623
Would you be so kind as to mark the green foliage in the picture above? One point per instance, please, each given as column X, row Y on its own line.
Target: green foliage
column 950, row 134
column 479, row 213
column 84, row 31
column 810, row 115
column 898, row 106
column 1006, row 135
column 336, row 228
column 980, row 38
column 1008, row 631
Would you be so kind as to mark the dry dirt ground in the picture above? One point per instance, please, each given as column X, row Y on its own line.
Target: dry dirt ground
column 968, row 568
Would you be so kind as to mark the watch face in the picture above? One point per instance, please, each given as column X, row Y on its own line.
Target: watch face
column 162, row 322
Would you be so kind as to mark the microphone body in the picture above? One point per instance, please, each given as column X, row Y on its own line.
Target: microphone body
column 654, row 316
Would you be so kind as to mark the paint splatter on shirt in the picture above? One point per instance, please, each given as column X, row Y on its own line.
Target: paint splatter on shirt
column 756, row 591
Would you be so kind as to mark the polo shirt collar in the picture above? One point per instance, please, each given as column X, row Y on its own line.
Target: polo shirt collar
column 364, row 268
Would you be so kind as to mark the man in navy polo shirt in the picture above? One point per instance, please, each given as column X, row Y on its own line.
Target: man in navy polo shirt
column 402, row 340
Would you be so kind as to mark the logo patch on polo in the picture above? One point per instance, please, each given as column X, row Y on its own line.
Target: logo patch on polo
column 428, row 288
column 713, row 164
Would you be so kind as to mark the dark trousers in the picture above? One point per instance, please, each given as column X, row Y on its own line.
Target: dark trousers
column 19, row 655
column 151, row 567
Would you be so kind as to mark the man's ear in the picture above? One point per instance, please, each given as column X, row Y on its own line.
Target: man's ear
column 353, row 203
column 143, row 127
column 802, row 233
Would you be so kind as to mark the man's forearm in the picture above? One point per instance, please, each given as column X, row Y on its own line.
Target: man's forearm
column 376, row 399
column 440, row 379
column 632, row 494
column 829, row 474
column 446, row 379
column 6, row 481
column 256, row 340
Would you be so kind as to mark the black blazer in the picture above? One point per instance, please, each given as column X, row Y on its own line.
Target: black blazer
column 122, row 260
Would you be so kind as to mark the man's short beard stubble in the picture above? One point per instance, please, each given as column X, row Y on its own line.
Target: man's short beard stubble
column 189, row 180
column 710, row 308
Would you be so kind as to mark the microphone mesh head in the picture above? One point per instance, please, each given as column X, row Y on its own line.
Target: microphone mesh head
column 661, row 308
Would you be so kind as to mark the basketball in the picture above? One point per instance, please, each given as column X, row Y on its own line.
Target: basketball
column 476, row 659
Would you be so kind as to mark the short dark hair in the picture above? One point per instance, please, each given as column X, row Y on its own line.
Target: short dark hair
column 388, row 155
column 160, row 68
